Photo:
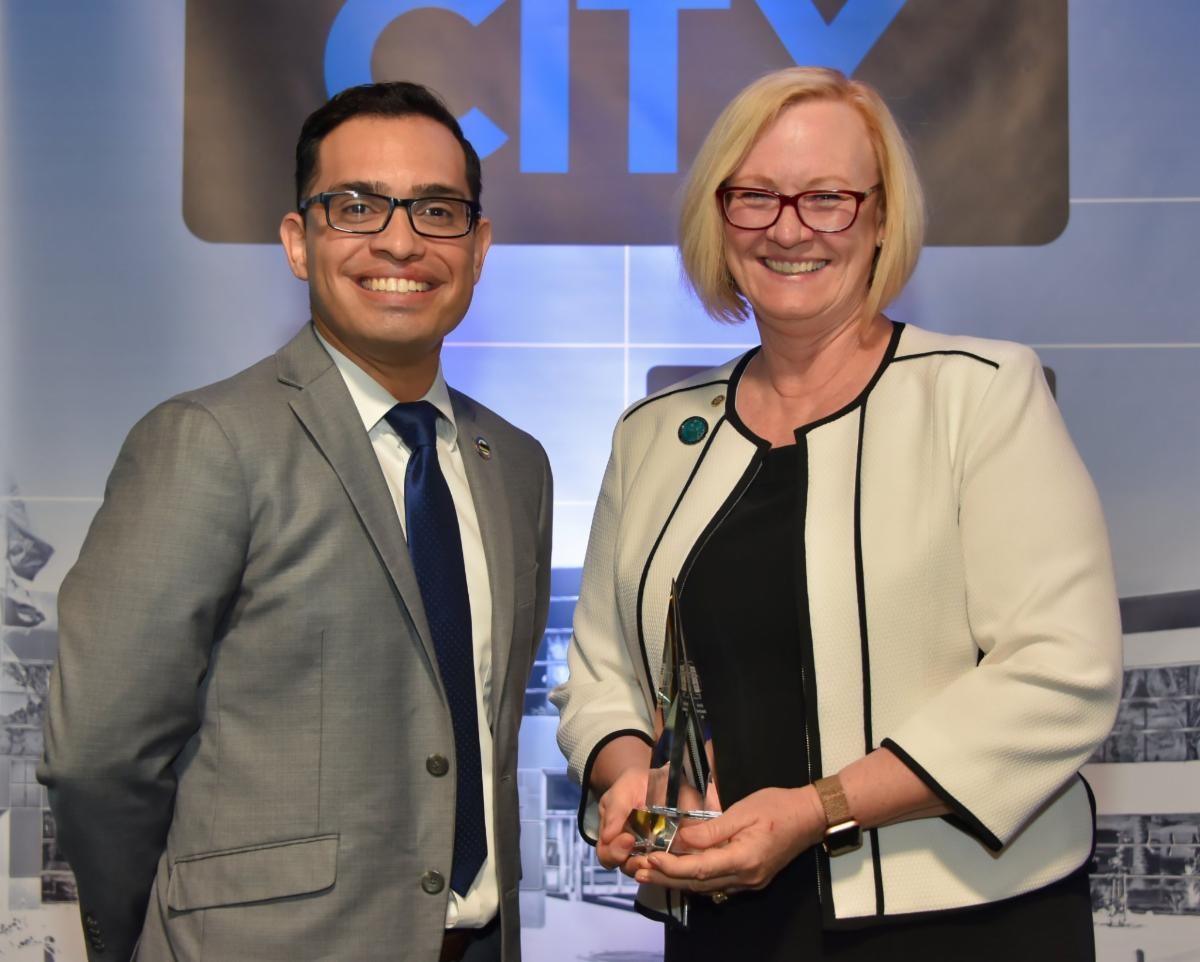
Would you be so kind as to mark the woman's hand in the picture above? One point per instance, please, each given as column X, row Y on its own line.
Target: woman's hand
column 742, row 849
column 615, row 844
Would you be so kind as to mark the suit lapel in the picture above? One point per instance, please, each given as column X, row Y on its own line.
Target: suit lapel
column 486, row 478
column 327, row 412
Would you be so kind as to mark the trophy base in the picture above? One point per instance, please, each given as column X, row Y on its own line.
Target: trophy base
column 654, row 828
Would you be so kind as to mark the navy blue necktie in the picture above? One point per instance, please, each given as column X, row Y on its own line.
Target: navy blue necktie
column 437, row 556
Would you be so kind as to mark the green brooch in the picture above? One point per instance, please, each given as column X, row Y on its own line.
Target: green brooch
column 692, row 430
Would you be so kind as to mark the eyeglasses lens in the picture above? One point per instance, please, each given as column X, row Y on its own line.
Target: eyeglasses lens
column 827, row 211
column 362, row 213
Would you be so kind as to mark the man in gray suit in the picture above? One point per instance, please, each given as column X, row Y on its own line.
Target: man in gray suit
column 250, row 748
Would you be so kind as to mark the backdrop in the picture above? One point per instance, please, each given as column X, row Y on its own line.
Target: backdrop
column 145, row 161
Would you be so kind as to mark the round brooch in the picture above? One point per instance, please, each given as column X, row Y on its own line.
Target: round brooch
column 693, row 430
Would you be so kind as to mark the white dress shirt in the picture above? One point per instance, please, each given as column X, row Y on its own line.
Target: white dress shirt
column 373, row 401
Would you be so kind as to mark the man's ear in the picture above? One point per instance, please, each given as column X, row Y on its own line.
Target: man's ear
column 483, row 240
column 292, row 236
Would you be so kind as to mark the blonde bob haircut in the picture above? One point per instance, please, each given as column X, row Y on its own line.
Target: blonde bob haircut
column 701, row 226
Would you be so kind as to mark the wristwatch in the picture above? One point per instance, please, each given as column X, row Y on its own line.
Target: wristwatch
column 842, row 833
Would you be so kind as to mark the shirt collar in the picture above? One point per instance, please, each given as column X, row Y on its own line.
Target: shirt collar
column 372, row 400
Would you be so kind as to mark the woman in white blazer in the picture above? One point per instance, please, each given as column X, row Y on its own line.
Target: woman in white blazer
column 894, row 581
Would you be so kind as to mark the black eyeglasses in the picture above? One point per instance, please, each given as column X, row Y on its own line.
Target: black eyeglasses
column 359, row 212
column 827, row 211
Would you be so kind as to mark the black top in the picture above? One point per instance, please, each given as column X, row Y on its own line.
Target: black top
column 746, row 622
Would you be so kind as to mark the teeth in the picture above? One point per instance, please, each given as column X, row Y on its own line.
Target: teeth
column 794, row 267
column 394, row 285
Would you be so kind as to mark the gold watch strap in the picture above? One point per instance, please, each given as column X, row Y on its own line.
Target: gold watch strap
column 833, row 800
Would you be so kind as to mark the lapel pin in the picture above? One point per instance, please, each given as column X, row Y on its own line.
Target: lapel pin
column 692, row 430
column 718, row 400
column 483, row 449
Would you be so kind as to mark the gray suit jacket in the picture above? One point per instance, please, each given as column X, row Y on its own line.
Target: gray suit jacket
column 246, row 712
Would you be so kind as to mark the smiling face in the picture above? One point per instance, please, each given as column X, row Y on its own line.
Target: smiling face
column 790, row 273
column 387, row 300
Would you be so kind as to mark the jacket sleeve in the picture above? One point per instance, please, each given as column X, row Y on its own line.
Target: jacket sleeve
column 602, row 697
column 1000, row 740
column 138, row 614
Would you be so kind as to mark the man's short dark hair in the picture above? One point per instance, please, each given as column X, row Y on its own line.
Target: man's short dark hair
column 397, row 98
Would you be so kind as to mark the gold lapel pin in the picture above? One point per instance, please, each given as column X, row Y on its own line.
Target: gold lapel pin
column 482, row 448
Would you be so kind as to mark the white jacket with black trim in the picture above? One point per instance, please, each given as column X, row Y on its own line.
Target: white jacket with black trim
column 961, row 597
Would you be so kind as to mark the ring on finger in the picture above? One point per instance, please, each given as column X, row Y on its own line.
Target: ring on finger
column 719, row 897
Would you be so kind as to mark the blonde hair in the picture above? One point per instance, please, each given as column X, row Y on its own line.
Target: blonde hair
column 701, row 228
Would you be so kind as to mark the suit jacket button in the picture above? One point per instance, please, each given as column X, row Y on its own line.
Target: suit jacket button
column 433, row 882
column 437, row 765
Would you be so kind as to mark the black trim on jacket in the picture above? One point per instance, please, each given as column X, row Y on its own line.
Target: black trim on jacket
column 585, row 781
column 651, row 675
column 961, row 818
column 974, row 357
column 667, row 393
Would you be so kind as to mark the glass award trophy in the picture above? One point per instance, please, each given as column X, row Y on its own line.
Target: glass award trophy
column 682, row 782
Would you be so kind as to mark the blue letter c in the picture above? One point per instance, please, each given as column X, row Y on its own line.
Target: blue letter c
column 352, row 40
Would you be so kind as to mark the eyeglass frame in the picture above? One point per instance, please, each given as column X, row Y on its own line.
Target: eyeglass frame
column 474, row 211
column 793, row 201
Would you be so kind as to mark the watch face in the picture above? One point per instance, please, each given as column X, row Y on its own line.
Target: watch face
column 844, row 838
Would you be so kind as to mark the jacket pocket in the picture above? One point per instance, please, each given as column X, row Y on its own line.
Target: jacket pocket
column 254, row 873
